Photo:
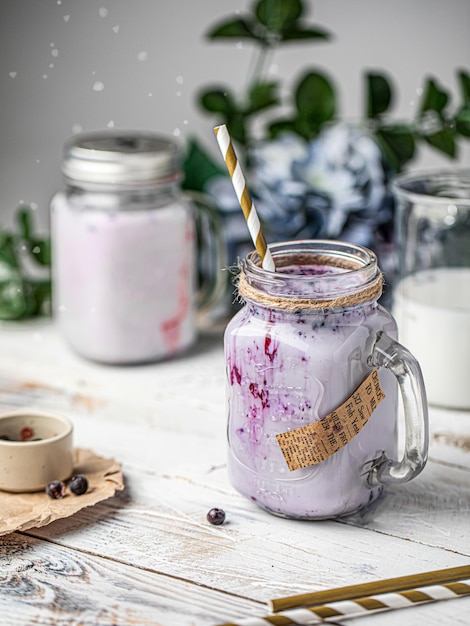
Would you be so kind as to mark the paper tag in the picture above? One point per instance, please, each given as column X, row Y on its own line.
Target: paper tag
column 316, row 442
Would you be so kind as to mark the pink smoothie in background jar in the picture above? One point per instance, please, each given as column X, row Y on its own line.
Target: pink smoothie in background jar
column 123, row 249
column 289, row 368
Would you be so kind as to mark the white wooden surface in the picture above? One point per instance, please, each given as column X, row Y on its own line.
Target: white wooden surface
column 148, row 556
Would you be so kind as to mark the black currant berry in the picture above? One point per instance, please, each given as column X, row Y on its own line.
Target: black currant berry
column 216, row 516
column 56, row 489
column 78, row 485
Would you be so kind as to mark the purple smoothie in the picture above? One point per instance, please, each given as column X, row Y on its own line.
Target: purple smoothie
column 287, row 369
column 124, row 280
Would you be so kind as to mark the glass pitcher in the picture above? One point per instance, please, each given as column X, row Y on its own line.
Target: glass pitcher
column 431, row 300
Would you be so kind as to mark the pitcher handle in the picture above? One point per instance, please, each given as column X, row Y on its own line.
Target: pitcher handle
column 212, row 280
column 395, row 357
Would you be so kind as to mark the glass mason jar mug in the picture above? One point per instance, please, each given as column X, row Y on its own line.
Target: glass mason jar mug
column 124, row 249
column 431, row 299
column 307, row 342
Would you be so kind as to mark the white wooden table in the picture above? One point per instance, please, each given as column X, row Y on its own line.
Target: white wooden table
column 147, row 556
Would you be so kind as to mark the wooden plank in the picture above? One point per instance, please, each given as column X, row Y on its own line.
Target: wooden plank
column 450, row 437
column 168, row 394
column 42, row 583
column 255, row 555
column 45, row 584
column 433, row 509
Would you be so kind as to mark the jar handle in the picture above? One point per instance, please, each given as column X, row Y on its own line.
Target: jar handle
column 395, row 357
column 212, row 253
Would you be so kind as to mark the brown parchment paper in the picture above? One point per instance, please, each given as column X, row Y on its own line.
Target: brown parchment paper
column 20, row 511
column 316, row 442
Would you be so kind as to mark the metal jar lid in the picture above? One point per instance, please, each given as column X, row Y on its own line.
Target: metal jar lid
column 121, row 158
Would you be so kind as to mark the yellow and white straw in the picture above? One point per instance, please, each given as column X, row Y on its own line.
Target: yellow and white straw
column 359, row 607
column 364, row 599
column 244, row 198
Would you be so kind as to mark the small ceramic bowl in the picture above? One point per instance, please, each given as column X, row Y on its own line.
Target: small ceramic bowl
column 35, row 448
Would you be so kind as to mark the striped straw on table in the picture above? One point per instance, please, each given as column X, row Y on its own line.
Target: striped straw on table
column 244, row 198
column 352, row 601
column 361, row 590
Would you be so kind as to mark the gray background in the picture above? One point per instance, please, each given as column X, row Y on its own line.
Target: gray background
column 71, row 65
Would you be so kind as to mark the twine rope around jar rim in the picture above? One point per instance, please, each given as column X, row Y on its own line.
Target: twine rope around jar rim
column 370, row 292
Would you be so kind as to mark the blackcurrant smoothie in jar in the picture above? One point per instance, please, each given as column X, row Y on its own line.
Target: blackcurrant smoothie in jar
column 300, row 347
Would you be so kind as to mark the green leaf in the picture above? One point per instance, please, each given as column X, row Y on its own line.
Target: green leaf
column 299, row 126
column 301, row 33
column 278, row 15
column 304, row 128
column 198, row 167
column 281, row 126
column 315, row 100
column 262, row 96
column 444, row 141
column 218, row 100
column 21, row 296
column 25, row 222
column 221, row 101
column 379, row 95
column 464, row 80
column 17, row 299
column 41, row 251
column 397, row 144
column 236, row 125
column 238, row 29
column 32, row 298
column 12, row 302
column 8, row 255
column 43, row 295
column 462, row 121
column 434, row 98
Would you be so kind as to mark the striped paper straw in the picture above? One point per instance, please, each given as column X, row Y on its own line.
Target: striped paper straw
column 361, row 606
column 361, row 590
column 244, row 198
